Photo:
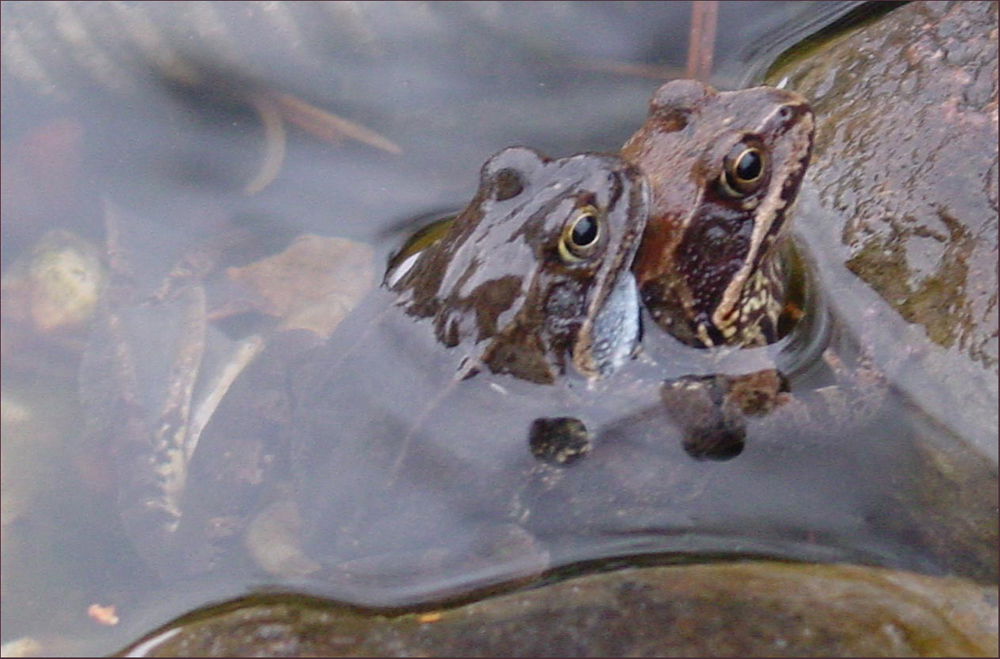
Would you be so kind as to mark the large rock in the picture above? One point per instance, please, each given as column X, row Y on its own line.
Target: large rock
column 900, row 203
column 749, row 609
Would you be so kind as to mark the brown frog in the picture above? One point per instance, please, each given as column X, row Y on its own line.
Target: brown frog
column 724, row 170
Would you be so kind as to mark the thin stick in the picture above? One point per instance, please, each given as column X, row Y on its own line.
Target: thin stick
column 329, row 127
column 701, row 43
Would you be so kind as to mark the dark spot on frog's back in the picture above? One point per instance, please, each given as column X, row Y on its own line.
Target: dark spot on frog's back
column 487, row 302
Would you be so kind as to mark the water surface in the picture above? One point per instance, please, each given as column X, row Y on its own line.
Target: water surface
column 449, row 85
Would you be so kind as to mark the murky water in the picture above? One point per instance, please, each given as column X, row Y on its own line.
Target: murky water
column 448, row 85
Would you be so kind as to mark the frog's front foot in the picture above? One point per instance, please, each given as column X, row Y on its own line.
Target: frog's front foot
column 711, row 410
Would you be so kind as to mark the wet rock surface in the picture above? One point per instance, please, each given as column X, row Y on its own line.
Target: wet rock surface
column 901, row 198
column 749, row 609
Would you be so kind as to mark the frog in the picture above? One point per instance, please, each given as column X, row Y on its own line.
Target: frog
column 715, row 265
column 547, row 244
column 725, row 169
column 415, row 429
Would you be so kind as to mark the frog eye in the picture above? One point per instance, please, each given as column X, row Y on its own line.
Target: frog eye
column 580, row 235
column 743, row 170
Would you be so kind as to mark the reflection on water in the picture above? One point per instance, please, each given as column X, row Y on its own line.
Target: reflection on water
column 171, row 161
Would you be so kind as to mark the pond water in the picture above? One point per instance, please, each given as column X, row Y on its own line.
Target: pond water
column 166, row 120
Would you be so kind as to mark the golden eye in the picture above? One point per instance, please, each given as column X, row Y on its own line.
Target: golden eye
column 580, row 235
column 743, row 170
